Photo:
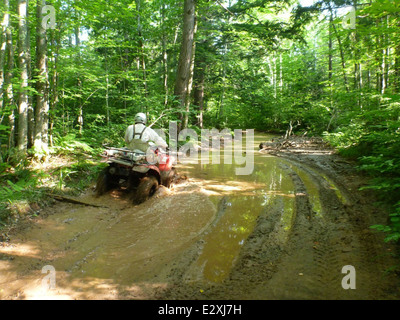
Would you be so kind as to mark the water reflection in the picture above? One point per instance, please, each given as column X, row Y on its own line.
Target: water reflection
column 241, row 199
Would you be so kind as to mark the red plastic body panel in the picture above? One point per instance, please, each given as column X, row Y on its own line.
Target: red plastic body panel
column 166, row 162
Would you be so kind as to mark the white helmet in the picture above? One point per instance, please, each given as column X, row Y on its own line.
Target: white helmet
column 140, row 118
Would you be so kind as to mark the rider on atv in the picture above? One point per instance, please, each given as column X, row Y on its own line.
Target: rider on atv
column 131, row 168
column 138, row 137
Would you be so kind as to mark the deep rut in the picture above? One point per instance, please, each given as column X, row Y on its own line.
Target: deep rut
column 306, row 261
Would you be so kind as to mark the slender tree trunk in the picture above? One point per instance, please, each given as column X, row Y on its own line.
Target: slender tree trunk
column 199, row 91
column 382, row 73
column 387, row 67
column 397, row 69
column 164, row 54
column 221, row 101
column 224, row 66
column 42, row 98
column 9, row 101
column 343, row 61
column 386, row 55
column 9, row 90
column 271, row 72
column 141, row 46
column 79, row 80
column 275, row 76
column 378, row 60
column 281, row 72
column 356, row 51
column 31, row 111
column 23, row 66
column 124, row 66
column 342, row 58
column 185, row 56
column 3, row 48
column 6, row 86
column 330, row 72
column 330, row 52
column 125, row 63
column 55, row 43
column 357, row 69
column 165, row 64
column 190, row 82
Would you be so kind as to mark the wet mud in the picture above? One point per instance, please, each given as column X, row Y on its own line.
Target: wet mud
column 283, row 232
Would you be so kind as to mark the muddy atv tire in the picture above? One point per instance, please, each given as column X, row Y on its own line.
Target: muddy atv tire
column 167, row 177
column 105, row 183
column 147, row 187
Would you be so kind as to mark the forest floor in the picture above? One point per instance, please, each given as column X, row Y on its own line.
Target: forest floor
column 189, row 242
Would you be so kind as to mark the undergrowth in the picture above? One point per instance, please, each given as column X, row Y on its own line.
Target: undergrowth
column 373, row 138
column 69, row 167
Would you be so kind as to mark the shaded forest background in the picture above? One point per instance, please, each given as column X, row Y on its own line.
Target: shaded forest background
column 68, row 88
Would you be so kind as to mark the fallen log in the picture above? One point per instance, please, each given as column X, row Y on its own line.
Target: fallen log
column 72, row 200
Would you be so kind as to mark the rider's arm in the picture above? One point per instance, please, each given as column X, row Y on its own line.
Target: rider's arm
column 128, row 134
column 157, row 139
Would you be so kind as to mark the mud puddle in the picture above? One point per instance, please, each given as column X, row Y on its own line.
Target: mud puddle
column 283, row 232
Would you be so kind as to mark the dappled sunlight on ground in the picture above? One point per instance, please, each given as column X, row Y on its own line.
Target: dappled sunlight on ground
column 100, row 244
column 28, row 250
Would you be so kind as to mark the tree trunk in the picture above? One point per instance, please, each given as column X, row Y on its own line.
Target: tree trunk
column 164, row 54
column 42, row 100
column 341, row 57
column 31, row 111
column 199, row 91
column 221, row 101
column 330, row 52
column 190, row 82
column 385, row 55
column 79, row 81
column 3, row 48
column 185, row 56
column 23, row 66
column 9, row 101
column 281, row 73
column 397, row 69
column 342, row 60
column 55, row 42
column 330, row 73
column 141, row 46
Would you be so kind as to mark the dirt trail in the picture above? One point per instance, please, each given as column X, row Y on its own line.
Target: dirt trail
column 285, row 232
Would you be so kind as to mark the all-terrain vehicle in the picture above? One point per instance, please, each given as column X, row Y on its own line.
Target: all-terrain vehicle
column 135, row 172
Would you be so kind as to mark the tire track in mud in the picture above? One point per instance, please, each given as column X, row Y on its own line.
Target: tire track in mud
column 185, row 280
column 314, row 237
column 259, row 260
column 306, row 268
column 342, row 238
column 308, row 264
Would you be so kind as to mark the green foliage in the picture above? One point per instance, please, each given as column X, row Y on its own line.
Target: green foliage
column 78, row 176
column 373, row 137
column 21, row 185
column 71, row 144
column 393, row 229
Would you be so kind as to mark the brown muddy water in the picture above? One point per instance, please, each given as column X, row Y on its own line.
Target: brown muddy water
column 239, row 200
column 282, row 232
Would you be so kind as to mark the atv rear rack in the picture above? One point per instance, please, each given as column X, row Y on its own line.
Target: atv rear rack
column 123, row 156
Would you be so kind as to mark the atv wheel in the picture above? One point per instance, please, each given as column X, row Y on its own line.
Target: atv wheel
column 168, row 177
column 105, row 183
column 147, row 187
